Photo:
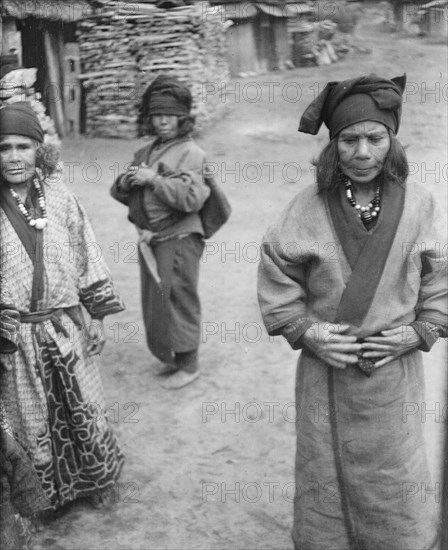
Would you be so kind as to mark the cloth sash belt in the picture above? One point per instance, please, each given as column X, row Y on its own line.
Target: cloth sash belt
column 54, row 315
column 156, row 238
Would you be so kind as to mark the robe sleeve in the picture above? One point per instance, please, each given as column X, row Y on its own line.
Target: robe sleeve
column 432, row 306
column 96, row 289
column 119, row 191
column 183, row 188
column 120, row 188
column 282, row 294
column 428, row 332
column 9, row 320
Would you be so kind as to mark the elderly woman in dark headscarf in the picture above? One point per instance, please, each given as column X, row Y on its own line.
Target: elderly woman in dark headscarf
column 164, row 190
column 344, row 276
column 50, row 387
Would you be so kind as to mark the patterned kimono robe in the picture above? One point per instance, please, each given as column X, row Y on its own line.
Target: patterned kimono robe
column 361, row 469
column 50, row 388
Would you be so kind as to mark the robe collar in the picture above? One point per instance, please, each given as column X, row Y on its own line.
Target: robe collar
column 31, row 238
column 367, row 251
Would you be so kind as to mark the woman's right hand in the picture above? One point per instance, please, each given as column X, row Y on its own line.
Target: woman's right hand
column 327, row 341
column 143, row 176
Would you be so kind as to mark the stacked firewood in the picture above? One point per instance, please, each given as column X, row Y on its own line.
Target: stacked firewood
column 124, row 47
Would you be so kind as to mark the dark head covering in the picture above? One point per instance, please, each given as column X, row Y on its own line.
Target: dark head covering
column 342, row 104
column 19, row 118
column 8, row 62
column 166, row 96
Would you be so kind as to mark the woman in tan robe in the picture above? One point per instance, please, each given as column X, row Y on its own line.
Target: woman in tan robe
column 355, row 275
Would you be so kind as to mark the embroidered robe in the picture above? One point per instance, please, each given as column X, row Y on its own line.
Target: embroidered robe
column 50, row 388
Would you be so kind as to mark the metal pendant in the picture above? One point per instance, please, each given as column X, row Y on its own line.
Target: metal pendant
column 367, row 366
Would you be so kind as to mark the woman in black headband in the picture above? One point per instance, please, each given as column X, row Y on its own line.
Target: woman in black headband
column 165, row 191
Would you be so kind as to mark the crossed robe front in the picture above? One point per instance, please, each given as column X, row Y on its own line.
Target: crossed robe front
column 360, row 455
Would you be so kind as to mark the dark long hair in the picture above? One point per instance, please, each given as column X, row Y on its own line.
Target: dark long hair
column 329, row 174
column 47, row 159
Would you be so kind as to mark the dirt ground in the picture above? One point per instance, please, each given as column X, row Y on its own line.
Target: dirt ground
column 211, row 466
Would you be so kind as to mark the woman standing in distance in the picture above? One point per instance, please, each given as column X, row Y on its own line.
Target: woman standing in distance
column 164, row 190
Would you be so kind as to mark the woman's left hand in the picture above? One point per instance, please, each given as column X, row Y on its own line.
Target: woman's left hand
column 391, row 344
column 95, row 337
column 143, row 176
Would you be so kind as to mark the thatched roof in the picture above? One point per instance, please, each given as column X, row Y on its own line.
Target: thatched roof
column 54, row 10
column 435, row 4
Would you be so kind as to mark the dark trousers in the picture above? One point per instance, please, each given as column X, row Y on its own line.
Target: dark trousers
column 172, row 310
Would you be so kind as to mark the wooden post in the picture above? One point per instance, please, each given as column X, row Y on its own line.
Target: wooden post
column 72, row 88
column 54, row 79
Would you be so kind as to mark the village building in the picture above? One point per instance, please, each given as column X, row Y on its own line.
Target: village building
column 94, row 58
column 257, row 36
column 43, row 36
column 434, row 16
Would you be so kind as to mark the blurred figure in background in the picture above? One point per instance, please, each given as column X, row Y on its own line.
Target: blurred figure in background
column 164, row 190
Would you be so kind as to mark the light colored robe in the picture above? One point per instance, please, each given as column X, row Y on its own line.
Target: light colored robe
column 50, row 387
column 361, row 469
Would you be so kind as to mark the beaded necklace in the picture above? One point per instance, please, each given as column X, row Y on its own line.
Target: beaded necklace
column 366, row 213
column 38, row 223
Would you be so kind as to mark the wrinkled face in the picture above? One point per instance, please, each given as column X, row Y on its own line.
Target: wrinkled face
column 17, row 158
column 362, row 149
column 165, row 126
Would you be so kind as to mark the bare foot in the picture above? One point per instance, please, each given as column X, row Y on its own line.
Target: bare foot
column 101, row 499
column 179, row 379
column 36, row 524
column 165, row 369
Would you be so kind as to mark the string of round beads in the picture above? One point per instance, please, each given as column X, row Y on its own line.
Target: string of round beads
column 38, row 223
column 366, row 213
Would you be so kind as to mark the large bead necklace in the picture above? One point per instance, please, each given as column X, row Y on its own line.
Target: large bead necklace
column 38, row 223
column 366, row 213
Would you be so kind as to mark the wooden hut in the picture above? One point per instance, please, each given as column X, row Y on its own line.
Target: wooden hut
column 258, row 36
column 435, row 20
column 96, row 57
column 43, row 34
